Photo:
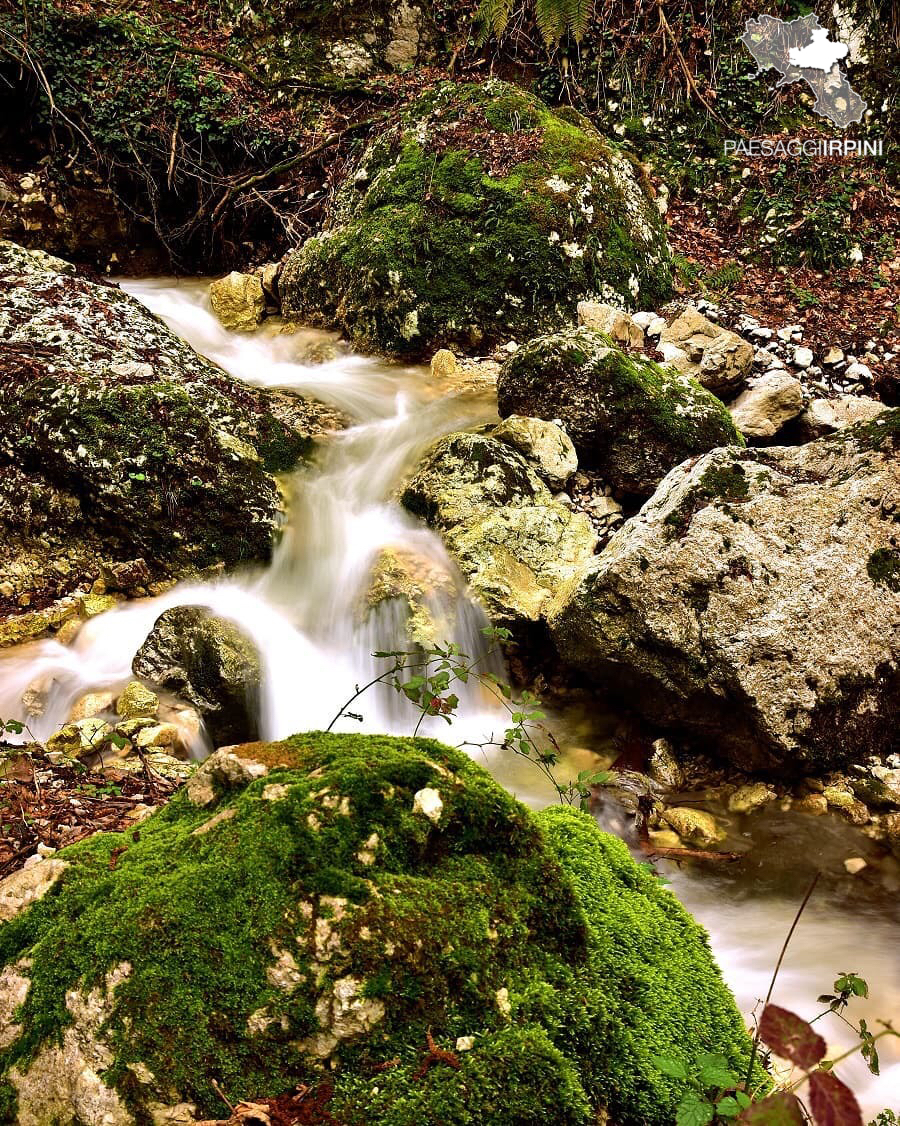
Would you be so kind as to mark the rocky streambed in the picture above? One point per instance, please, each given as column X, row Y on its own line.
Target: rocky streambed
column 712, row 618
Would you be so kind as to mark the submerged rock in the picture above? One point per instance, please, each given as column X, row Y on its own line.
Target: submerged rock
column 514, row 543
column 120, row 447
column 308, row 924
column 482, row 216
column 210, row 663
column 628, row 418
column 754, row 602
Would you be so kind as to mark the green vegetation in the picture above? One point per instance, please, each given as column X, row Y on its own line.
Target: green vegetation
column 567, row 963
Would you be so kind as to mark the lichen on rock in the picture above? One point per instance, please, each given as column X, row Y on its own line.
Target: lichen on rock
column 753, row 602
column 261, row 953
column 482, row 215
column 514, row 543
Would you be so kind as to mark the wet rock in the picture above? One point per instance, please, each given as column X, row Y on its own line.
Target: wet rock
column 665, row 838
column 763, row 409
column 424, row 588
column 816, row 804
column 119, row 446
column 747, row 798
column 628, row 418
column 238, row 300
column 546, row 446
column 443, row 363
column 137, row 702
column 291, row 975
column 695, row 825
column 846, row 804
column 663, row 766
column 854, row 865
column 753, row 602
column 207, row 661
column 717, row 358
column 513, row 244
column 514, row 543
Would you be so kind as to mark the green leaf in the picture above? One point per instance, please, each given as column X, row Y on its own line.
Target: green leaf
column 714, row 1071
column 670, row 1066
column 694, row 1111
column 728, row 1107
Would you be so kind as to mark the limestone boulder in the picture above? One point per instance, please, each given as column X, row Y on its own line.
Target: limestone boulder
column 238, row 300
column 754, row 602
column 717, row 358
column 772, row 400
column 514, row 543
column 340, row 903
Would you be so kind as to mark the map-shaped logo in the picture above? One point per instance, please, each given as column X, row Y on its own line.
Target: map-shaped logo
column 801, row 51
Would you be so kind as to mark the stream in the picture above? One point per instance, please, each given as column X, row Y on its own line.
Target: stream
column 303, row 613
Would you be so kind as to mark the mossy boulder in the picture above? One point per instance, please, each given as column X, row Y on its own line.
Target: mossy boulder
column 481, row 216
column 752, row 604
column 628, row 417
column 320, row 911
column 514, row 543
column 118, row 442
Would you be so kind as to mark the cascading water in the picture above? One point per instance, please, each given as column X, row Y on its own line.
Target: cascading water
column 304, row 613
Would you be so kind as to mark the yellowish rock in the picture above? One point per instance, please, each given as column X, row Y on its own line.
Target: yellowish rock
column 137, row 702
column 695, row 825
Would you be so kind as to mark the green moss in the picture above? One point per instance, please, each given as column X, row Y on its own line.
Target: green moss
column 446, row 233
column 628, row 417
column 883, row 568
column 602, row 967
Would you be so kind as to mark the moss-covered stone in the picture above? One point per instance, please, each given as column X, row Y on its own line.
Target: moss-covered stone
column 884, row 567
column 483, row 215
column 316, row 925
column 628, row 417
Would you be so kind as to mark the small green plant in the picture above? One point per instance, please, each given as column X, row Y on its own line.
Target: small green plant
column 426, row 676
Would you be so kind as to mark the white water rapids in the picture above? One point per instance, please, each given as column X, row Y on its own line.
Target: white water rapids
column 303, row 614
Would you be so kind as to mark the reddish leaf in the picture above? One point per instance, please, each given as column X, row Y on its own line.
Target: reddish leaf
column 780, row 1109
column 791, row 1036
column 832, row 1102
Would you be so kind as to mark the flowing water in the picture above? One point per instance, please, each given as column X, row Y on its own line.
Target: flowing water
column 306, row 614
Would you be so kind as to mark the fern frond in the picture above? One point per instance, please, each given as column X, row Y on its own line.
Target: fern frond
column 551, row 20
column 492, row 18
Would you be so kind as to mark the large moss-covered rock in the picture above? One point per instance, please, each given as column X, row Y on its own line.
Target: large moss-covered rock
column 754, row 602
column 319, row 911
column 629, row 418
column 210, row 663
column 484, row 214
column 118, row 442
column 514, row 543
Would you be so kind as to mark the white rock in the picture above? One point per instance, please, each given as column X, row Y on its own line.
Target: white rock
column 615, row 323
column 465, row 1043
column 833, row 356
column 858, row 371
column 656, row 327
column 428, row 802
column 774, row 399
column 644, row 319
column 802, row 357
column 855, row 864
column 823, row 416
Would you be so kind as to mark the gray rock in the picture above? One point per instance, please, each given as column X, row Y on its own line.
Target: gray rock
column 754, row 602
column 208, row 662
